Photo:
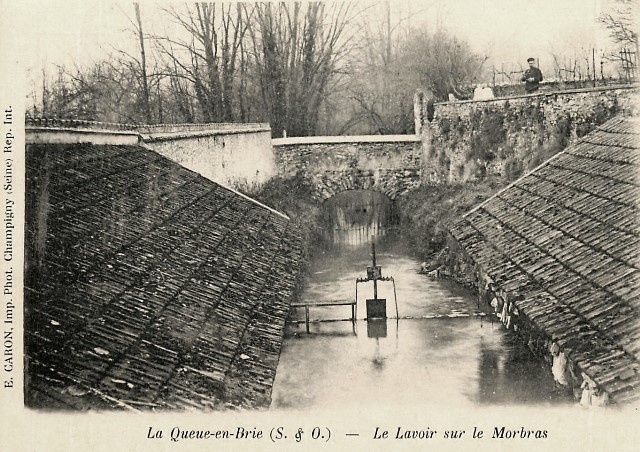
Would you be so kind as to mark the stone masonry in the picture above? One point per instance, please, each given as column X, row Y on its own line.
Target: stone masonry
column 511, row 135
column 388, row 164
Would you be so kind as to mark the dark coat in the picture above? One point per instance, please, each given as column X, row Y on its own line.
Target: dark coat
column 532, row 72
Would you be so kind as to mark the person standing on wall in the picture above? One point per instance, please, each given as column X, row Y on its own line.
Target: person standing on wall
column 532, row 77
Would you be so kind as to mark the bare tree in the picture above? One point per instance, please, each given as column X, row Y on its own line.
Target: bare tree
column 622, row 23
column 143, row 67
column 298, row 51
column 380, row 91
column 297, row 65
column 207, row 56
column 101, row 92
column 389, row 70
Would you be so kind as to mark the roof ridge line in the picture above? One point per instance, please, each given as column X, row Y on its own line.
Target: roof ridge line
column 249, row 198
column 512, row 183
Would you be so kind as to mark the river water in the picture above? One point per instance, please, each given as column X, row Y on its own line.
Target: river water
column 440, row 350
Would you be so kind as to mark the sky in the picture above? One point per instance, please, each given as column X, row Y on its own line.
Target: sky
column 520, row 28
column 510, row 31
column 507, row 31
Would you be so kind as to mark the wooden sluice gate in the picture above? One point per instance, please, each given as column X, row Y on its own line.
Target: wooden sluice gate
column 376, row 307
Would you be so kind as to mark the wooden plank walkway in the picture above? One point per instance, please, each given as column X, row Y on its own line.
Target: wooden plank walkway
column 307, row 304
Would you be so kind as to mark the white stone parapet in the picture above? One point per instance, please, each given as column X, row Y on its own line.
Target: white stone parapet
column 346, row 139
column 60, row 135
column 152, row 136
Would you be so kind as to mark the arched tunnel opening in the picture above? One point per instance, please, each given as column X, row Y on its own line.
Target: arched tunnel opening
column 355, row 217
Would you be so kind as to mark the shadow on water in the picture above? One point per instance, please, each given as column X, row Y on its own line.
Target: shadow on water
column 351, row 218
column 440, row 351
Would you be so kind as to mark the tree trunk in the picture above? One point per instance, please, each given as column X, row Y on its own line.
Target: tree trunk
column 143, row 67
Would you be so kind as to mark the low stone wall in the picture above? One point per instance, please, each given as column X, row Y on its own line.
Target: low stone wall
column 60, row 135
column 156, row 129
column 468, row 140
column 389, row 164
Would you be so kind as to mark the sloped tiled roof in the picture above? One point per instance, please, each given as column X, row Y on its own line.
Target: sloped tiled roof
column 147, row 285
column 563, row 241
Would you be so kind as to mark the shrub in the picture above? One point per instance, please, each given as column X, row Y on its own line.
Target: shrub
column 488, row 135
column 480, row 172
column 427, row 212
column 562, row 131
column 506, row 151
column 493, row 128
column 445, row 126
column 542, row 153
column 444, row 163
column 432, row 151
column 513, row 168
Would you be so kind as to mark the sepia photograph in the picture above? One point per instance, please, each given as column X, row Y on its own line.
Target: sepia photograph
column 328, row 225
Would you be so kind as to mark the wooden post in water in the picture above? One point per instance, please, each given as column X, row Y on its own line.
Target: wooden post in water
column 376, row 307
column 375, row 281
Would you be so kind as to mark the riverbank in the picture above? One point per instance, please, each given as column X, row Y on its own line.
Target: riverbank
column 426, row 214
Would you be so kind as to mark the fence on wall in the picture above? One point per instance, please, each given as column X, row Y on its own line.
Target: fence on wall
column 590, row 69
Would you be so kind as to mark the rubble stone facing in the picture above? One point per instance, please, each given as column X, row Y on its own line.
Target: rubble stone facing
column 392, row 183
column 392, row 167
column 496, row 133
column 561, row 244
column 147, row 286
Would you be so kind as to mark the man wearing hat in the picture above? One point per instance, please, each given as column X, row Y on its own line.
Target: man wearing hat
column 532, row 77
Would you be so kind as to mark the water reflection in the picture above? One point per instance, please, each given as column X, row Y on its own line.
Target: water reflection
column 354, row 217
column 441, row 350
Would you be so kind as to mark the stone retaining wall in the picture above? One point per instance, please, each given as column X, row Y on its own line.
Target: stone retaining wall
column 468, row 140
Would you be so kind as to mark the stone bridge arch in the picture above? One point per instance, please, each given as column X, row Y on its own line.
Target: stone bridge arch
column 391, row 182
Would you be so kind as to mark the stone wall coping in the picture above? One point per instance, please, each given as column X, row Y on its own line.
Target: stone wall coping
column 172, row 136
column 35, row 134
column 184, row 128
column 55, row 122
column 346, row 139
column 544, row 94
column 64, row 135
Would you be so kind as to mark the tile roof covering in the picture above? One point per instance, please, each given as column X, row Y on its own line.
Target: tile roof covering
column 563, row 241
column 147, row 285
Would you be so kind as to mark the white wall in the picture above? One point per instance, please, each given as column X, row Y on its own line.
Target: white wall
column 237, row 159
